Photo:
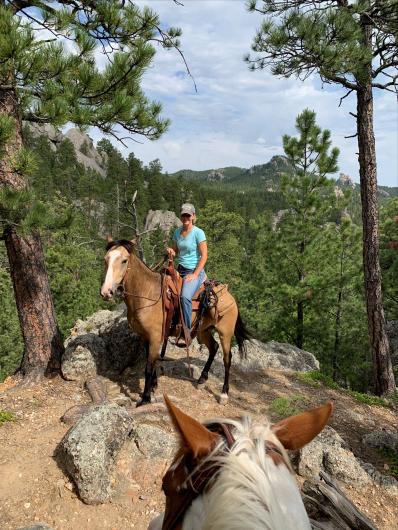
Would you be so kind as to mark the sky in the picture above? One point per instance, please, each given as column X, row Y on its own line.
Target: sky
column 237, row 117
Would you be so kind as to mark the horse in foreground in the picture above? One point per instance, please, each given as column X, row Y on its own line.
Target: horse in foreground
column 235, row 474
column 143, row 291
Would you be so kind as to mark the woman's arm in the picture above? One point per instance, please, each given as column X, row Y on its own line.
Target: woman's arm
column 173, row 250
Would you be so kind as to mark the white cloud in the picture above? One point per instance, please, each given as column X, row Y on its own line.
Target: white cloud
column 238, row 117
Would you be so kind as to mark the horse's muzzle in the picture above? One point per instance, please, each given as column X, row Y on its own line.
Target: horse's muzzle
column 111, row 292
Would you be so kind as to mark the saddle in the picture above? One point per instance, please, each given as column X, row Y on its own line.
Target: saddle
column 174, row 321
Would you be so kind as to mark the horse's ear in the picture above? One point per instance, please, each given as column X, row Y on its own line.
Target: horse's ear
column 109, row 238
column 134, row 241
column 296, row 431
column 195, row 436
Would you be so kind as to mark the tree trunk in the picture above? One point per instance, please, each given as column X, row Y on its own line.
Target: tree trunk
column 382, row 367
column 42, row 340
column 337, row 335
column 300, row 325
column 337, row 323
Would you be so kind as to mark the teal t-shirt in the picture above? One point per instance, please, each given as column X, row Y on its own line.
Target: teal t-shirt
column 188, row 250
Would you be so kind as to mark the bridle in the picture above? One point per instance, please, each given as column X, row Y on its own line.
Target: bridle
column 123, row 292
column 187, row 477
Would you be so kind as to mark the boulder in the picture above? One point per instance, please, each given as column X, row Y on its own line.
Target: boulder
column 102, row 344
column 342, row 465
column 84, row 357
column 277, row 355
column 89, row 449
column 330, row 453
column 153, row 441
column 381, row 440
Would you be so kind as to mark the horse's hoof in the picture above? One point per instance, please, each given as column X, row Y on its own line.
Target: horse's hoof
column 223, row 399
column 143, row 402
column 202, row 380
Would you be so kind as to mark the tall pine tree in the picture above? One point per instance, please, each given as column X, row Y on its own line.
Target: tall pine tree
column 354, row 45
column 48, row 74
column 289, row 250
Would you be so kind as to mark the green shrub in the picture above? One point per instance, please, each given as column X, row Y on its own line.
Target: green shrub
column 315, row 379
column 5, row 416
column 286, row 406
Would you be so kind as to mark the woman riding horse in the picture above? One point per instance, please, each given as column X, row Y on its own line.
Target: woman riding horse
column 190, row 245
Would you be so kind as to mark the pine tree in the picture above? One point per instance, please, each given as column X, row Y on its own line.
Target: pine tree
column 354, row 45
column 43, row 80
column 338, row 323
column 225, row 253
column 288, row 253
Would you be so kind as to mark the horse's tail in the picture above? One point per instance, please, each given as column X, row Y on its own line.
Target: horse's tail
column 241, row 334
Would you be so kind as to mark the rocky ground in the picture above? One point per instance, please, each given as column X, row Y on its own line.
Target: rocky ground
column 34, row 487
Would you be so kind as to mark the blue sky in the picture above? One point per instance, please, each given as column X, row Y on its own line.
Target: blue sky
column 238, row 117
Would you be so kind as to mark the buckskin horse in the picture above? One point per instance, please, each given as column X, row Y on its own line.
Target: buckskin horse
column 235, row 474
column 143, row 290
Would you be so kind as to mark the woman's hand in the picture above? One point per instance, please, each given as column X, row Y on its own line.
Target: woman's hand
column 190, row 277
column 171, row 252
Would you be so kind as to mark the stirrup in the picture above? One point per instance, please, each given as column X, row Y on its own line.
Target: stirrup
column 181, row 342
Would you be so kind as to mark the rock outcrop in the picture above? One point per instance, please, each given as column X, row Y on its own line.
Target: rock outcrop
column 345, row 181
column 104, row 344
column 85, row 151
column 164, row 219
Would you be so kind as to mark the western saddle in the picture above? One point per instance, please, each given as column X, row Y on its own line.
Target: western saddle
column 173, row 322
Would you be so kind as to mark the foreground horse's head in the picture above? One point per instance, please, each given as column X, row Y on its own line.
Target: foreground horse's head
column 116, row 263
column 235, row 474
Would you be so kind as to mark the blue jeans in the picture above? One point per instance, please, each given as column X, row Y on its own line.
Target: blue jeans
column 188, row 290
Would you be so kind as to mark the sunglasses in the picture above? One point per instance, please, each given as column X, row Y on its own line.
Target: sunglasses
column 185, row 215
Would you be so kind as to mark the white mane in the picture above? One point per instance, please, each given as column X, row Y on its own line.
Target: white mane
column 250, row 492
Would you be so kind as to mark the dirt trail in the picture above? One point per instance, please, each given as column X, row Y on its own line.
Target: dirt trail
column 33, row 488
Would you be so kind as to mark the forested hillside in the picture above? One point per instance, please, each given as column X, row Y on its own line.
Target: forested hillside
column 255, row 245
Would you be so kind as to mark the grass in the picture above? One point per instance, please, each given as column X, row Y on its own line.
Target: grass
column 368, row 399
column 317, row 379
column 286, row 406
column 5, row 416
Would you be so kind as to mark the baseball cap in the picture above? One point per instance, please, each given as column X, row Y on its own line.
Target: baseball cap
column 188, row 208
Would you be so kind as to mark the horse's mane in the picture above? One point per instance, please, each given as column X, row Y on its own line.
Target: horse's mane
column 128, row 245
column 250, row 490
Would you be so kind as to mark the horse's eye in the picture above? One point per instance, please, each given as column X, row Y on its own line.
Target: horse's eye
column 125, row 261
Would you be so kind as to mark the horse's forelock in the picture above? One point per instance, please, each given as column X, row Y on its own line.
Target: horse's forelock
column 250, row 476
column 125, row 243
